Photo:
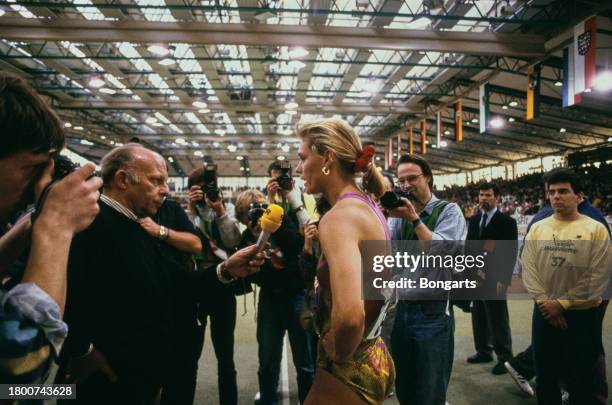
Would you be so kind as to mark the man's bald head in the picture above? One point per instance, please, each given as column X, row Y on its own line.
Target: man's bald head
column 125, row 158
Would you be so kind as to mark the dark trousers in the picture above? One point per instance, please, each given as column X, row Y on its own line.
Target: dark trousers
column 423, row 348
column 491, row 327
column 221, row 309
column 568, row 355
column 179, row 387
column 277, row 313
column 98, row 390
column 524, row 363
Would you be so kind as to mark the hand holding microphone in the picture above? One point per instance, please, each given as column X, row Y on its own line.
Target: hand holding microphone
column 270, row 222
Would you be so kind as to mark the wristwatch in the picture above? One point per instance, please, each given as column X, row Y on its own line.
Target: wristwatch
column 416, row 222
column 223, row 275
column 163, row 233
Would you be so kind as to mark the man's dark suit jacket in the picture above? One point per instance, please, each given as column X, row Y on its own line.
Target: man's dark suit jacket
column 501, row 260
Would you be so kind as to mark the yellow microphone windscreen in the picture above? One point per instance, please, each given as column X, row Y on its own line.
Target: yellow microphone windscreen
column 273, row 217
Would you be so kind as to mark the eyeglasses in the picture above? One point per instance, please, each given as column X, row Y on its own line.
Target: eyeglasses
column 408, row 179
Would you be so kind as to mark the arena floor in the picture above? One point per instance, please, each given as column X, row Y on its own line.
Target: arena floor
column 470, row 384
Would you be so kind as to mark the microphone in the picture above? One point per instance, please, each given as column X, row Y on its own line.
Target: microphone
column 270, row 222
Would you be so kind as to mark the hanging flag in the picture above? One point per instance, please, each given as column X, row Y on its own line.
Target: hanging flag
column 569, row 96
column 458, row 121
column 484, row 107
column 423, row 138
column 390, row 146
column 410, row 141
column 585, row 44
column 387, row 156
column 399, row 146
column 533, row 91
column 438, row 128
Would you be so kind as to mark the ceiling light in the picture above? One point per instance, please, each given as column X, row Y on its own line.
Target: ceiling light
column 239, row 157
column 285, row 148
column 151, row 120
column 203, row 110
column 198, row 153
column 475, row 120
column 562, row 130
column 558, row 83
column 158, row 124
column 136, row 97
column 603, row 81
column 587, row 90
column 170, row 159
column 426, row 142
column 248, row 169
column 444, row 144
column 504, row 107
column 240, row 145
column 511, row 119
column 167, row 62
column 287, row 132
column 102, row 137
column 610, row 139
column 291, row 106
column 216, row 144
column 377, row 157
column 447, row 132
column 1, row 12
column 106, row 90
column 220, row 131
column 96, row 82
column 231, row 148
column 86, row 142
column 290, row 112
column 434, row 146
column 181, row 141
column 513, row 103
column 496, row 122
column 264, row 15
column 159, row 50
column 112, row 142
column 67, row 125
column 79, row 128
column 199, row 104
column 280, row 158
column 298, row 52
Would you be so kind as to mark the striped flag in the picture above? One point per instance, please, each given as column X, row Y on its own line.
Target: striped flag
column 533, row 91
column 438, row 128
column 484, row 107
column 458, row 121
column 423, row 138
column 390, row 147
column 569, row 96
column 387, row 156
column 399, row 146
column 585, row 44
column 410, row 141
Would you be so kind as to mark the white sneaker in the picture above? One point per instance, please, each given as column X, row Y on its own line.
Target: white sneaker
column 522, row 383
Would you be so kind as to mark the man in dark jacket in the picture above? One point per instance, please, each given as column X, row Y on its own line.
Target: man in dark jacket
column 490, row 321
column 281, row 298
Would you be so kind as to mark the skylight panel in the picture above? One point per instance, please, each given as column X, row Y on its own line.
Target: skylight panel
column 191, row 117
column 24, row 12
column 175, row 128
column 155, row 14
column 202, row 129
column 343, row 20
column 162, row 117
column 89, row 13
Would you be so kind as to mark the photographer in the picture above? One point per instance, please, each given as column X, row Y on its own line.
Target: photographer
column 423, row 363
column 282, row 191
column 215, row 220
column 281, row 299
column 31, row 327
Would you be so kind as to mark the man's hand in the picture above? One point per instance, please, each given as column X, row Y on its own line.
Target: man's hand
column 552, row 311
column 195, row 195
column 244, row 262
column 217, row 205
column 501, row 288
column 81, row 368
column 405, row 211
column 150, row 226
column 274, row 188
column 72, row 203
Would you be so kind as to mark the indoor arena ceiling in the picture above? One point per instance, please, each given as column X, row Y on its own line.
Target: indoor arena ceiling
column 229, row 80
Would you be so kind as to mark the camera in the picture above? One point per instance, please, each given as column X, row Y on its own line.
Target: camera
column 391, row 199
column 210, row 189
column 63, row 167
column 284, row 180
column 256, row 210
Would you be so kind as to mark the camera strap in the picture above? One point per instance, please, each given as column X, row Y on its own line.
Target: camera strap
column 41, row 201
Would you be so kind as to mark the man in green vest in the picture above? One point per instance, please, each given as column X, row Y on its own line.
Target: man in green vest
column 422, row 340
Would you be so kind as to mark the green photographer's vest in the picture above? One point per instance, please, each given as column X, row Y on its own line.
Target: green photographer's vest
column 430, row 220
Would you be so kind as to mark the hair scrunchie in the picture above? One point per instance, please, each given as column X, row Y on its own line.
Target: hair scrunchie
column 364, row 159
